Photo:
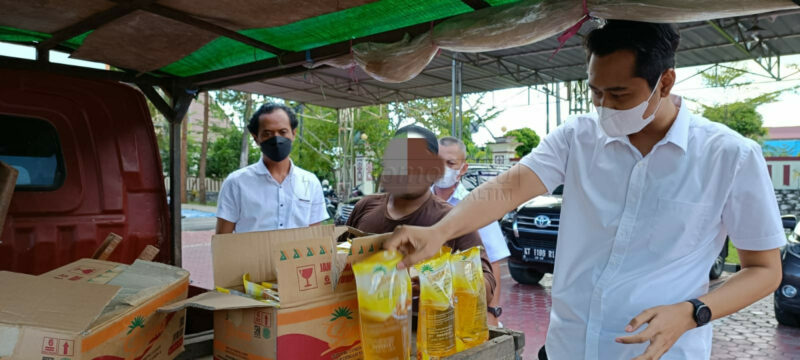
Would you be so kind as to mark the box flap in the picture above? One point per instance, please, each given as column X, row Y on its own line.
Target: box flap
column 304, row 270
column 362, row 247
column 87, row 270
column 50, row 303
column 213, row 300
column 233, row 255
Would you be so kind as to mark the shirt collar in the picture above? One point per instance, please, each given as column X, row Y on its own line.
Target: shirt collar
column 678, row 133
column 261, row 168
column 459, row 194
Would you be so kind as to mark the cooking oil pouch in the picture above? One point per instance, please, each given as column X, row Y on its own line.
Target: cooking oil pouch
column 436, row 318
column 258, row 291
column 470, row 298
column 269, row 302
column 384, row 305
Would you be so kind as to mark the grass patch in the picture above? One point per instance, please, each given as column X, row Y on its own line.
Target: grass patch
column 733, row 255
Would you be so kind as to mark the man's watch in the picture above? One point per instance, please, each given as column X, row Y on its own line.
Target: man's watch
column 702, row 313
column 496, row 311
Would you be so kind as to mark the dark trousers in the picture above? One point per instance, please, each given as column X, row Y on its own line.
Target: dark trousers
column 542, row 353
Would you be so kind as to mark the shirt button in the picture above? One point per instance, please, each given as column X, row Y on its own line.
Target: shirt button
column 281, row 205
column 281, row 225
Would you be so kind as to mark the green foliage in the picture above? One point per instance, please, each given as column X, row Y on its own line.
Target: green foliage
column 223, row 154
column 724, row 77
column 527, row 137
column 315, row 140
column 740, row 116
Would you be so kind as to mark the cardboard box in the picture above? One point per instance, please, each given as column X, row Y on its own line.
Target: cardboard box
column 76, row 312
column 314, row 321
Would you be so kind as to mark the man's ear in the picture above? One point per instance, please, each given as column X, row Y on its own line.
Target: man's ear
column 255, row 139
column 667, row 82
column 463, row 169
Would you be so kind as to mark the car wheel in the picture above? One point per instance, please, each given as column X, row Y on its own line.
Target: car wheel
column 525, row 275
column 717, row 268
column 785, row 318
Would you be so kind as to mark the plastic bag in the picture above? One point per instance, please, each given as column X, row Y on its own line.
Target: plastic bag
column 436, row 318
column 469, row 292
column 384, row 305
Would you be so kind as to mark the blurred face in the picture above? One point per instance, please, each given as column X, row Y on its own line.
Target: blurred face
column 410, row 168
column 453, row 158
column 272, row 124
column 614, row 85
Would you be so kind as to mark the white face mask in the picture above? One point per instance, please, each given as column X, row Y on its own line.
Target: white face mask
column 617, row 123
column 449, row 178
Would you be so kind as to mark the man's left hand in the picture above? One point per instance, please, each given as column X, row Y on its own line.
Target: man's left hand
column 665, row 325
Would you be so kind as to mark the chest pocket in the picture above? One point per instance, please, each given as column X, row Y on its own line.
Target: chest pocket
column 301, row 206
column 676, row 228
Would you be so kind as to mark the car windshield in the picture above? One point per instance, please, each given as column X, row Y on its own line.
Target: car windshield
column 473, row 179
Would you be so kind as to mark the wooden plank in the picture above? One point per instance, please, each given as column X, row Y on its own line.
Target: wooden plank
column 104, row 251
column 149, row 253
column 8, row 180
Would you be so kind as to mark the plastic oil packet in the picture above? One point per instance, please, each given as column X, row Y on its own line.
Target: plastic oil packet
column 384, row 305
column 258, row 291
column 436, row 318
column 269, row 302
column 470, row 298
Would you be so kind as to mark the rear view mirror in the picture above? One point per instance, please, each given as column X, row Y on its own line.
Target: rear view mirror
column 789, row 222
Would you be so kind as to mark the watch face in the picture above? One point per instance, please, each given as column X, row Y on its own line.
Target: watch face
column 703, row 315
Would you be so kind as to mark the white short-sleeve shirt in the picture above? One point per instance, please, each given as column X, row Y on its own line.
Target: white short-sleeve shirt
column 252, row 199
column 638, row 232
column 492, row 237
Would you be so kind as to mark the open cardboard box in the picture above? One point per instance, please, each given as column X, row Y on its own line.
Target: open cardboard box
column 75, row 312
column 315, row 320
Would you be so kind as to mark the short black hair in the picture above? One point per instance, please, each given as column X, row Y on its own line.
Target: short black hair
column 429, row 136
column 654, row 45
column 268, row 108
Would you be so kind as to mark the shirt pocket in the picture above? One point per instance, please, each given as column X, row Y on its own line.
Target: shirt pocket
column 301, row 214
column 676, row 228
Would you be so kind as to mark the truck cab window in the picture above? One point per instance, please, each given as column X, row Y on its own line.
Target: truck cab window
column 32, row 147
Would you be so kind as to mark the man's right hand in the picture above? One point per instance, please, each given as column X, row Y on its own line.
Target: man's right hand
column 417, row 243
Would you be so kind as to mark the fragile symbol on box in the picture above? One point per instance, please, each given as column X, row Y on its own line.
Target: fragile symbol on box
column 306, row 278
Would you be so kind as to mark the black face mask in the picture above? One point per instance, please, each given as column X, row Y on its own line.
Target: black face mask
column 276, row 148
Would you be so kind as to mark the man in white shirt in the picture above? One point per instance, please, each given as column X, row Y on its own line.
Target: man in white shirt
column 273, row 193
column 449, row 188
column 650, row 193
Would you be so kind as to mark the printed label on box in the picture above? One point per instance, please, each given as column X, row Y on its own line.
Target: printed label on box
column 306, row 278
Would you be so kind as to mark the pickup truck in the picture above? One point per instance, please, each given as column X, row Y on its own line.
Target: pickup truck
column 88, row 165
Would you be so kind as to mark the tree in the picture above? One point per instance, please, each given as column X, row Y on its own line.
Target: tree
column 203, row 150
column 243, row 104
column 527, row 137
column 740, row 116
column 223, row 153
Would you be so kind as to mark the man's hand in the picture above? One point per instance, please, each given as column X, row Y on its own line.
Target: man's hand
column 416, row 243
column 665, row 325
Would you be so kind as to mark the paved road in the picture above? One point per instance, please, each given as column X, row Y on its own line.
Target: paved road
column 751, row 333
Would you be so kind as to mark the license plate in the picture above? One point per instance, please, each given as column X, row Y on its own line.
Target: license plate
column 539, row 254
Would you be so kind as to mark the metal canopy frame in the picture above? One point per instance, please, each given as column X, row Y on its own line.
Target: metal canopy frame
column 528, row 66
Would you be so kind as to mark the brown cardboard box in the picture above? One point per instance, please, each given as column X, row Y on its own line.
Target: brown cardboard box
column 314, row 321
column 77, row 313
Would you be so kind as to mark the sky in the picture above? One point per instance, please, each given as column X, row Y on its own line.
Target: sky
column 520, row 113
column 522, row 108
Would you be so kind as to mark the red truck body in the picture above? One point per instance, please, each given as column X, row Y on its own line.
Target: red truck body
column 107, row 175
